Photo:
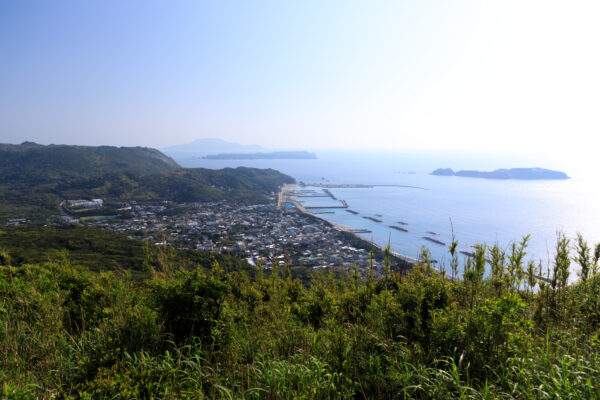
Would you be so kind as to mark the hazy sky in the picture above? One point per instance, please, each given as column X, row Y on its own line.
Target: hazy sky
column 307, row 74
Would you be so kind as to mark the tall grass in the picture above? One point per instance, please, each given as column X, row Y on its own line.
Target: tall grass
column 66, row 332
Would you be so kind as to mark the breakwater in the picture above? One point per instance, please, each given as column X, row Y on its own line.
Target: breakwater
column 434, row 241
column 398, row 228
column 328, row 193
column 357, row 186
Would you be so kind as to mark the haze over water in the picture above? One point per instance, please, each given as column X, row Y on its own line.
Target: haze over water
column 481, row 210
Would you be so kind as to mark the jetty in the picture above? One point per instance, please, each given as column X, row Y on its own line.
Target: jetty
column 358, row 186
column 328, row 193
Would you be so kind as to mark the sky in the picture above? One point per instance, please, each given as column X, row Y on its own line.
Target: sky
column 476, row 76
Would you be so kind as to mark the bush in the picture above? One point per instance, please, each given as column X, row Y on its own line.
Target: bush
column 189, row 305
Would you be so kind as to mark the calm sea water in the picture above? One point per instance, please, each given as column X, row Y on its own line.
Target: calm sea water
column 481, row 210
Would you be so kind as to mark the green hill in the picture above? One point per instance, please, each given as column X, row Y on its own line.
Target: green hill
column 31, row 164
column 182, row 185
column 34, row 179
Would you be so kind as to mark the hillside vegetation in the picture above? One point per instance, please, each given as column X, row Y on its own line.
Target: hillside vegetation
column 181, row 185
column 29, row 164
column 100, row 250
column 34, row 179
column 67, row 332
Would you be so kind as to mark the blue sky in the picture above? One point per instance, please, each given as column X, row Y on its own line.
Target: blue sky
column 464, row 75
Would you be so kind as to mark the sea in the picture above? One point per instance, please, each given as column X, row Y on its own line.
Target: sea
column 475, row 210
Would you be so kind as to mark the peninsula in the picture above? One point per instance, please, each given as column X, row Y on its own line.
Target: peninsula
column 512, row 173
column 276, row 155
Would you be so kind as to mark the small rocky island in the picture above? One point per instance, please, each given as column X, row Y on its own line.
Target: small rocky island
column 512, row 173
column 276, row 155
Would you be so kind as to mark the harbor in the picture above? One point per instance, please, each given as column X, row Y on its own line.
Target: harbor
column 294, row 196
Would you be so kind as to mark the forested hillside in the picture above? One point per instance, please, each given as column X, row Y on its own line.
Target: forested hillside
column 31, row 164
column 34, row 179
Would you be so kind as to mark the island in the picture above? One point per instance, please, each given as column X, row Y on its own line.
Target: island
column 276, row 155
column 512, row 173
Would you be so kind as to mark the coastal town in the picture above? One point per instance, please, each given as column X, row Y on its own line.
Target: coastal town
column 263, row 234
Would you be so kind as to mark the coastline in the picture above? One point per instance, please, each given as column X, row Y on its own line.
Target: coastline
column 404, row 262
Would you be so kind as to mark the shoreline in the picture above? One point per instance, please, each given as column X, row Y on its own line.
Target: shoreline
column 285, row 197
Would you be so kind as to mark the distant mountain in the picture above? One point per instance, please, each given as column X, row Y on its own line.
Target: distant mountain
column 203, row 147
column 512, row 173
column 34, row 179
column 276, row 155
